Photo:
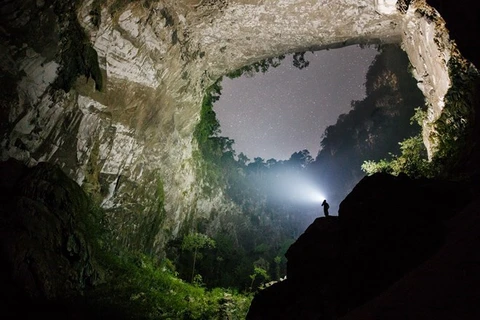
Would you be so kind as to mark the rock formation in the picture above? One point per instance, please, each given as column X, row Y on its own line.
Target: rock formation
column 111, row 90
column 45, row 238
column 394, row 239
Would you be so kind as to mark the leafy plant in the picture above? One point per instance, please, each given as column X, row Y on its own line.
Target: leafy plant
column 412, row 161
column 194, row 242
column 260, row 66
column 143, row 288
column 453, row 130
column 139, row 286
column 258, row 272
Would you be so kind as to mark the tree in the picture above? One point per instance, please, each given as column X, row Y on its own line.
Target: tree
column 271, row 162
column 299, row 60
column 243, row 159
column 194, row 242
column 258, row 271
column 277, row 261
column 257, row 165
column 300, row 159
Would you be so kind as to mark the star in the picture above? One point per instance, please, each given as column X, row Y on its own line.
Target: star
column 285, row 110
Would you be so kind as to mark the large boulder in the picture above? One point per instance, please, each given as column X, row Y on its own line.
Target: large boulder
column 45, row 243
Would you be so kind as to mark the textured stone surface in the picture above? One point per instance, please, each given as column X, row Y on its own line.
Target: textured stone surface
column 429, row 49
column 134, row 137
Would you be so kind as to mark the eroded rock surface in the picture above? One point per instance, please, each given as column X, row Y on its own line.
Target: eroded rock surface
column 111, row 92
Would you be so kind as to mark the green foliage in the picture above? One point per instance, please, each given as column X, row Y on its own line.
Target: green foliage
column 216, row 152
column 258, row 273
column 278, row 261
column 299, row 61
column 454, row 128
column 412, row 161
column 142, row 288
column 419, row 116
column 138, row 286
column 370, row 167
column 260, row 66
column 264, row 65
column 194, row 242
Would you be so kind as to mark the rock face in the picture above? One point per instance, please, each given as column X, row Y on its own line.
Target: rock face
column 387, row 226
column 111, row 92
column 45, row 248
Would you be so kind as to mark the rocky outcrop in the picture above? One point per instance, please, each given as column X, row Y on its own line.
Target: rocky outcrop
column 111, row 90
column 387, row 227
column 46, row 234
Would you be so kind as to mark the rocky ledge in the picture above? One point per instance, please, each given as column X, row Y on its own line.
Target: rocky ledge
column 398, row 249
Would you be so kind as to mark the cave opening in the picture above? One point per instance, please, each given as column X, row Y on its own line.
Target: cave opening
column 348, row 105
column 287, row 108
column 166, row 195
column 278, row 199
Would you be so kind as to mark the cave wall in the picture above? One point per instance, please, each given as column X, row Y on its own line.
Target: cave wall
column 130, row 143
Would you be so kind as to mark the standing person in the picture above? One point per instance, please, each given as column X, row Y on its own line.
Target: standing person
column 325, row 206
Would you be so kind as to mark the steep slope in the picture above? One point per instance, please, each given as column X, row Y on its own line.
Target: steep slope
column 446, row 286
column 387, row 227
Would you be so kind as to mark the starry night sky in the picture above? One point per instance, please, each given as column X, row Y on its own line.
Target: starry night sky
column 285, row 110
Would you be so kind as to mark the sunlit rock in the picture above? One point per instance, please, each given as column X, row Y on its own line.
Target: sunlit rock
column 386, row 6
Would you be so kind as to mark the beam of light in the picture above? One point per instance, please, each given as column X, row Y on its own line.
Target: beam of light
column 299, row 189
column 313, row 195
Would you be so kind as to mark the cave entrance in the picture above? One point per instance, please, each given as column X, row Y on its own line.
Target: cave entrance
column 277, row 199
column 321, row 119
column 288, row 107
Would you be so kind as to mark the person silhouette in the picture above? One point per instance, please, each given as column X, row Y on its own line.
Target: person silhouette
column 325, row 206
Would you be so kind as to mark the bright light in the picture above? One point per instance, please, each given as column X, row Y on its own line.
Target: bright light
column 305, row 191
column 320, row 197
column 299, row 189
column 316, row 196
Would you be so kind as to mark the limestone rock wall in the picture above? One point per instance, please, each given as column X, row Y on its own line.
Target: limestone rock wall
column 429, row 48
column 130, row 144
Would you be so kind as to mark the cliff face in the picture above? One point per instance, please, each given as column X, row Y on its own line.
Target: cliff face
column 111, row 91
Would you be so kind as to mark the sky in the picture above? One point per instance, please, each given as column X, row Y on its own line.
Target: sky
column 286, row 110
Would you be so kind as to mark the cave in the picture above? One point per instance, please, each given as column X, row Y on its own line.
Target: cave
column 110, row 92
